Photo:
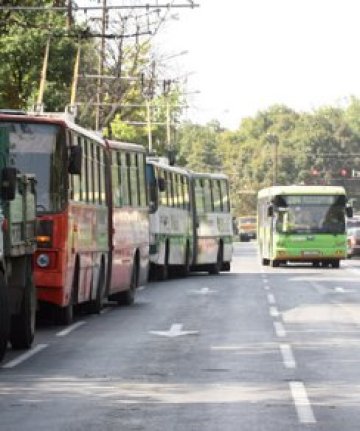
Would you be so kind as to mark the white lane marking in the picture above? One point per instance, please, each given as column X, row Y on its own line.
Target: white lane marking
column 302, row 403
column 339, row 289
column 203, row 291
column 70, row 329
column 105, row 310
column 174, row 331
column 271, row 298
column 279, row 329
column 266, row 287
column 25, row 356
column 288, row 357
column 274, row 312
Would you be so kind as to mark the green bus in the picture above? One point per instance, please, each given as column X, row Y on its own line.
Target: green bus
column 302, row 224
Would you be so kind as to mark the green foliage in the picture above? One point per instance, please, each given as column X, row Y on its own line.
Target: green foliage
column 279, row 146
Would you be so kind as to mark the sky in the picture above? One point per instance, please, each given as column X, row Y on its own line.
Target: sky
column 246, row 55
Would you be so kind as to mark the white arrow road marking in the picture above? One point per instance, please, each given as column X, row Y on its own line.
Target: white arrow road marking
column 174, row 331
column 203, row 291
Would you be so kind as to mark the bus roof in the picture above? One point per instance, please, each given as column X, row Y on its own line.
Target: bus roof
column 163, row 165
column 300, row 190
column 125, row 146
column 213, row 176
column 57, row 118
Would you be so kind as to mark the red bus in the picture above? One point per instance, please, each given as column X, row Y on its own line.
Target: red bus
column 92, row 234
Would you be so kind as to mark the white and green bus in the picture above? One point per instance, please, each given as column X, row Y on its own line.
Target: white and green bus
column 190, row 220
column 302, row 224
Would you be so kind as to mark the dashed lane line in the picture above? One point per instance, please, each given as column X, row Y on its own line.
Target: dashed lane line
column 287, row 355
column 22, row 358
column 271, row 298
column 302, row 403
column 70, row 328
column 279, row 329
column 274, row 312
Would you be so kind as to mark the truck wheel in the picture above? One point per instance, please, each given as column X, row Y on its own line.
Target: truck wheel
column 4, row 316
column 22, row 329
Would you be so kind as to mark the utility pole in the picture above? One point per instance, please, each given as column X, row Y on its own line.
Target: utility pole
column 101, row 66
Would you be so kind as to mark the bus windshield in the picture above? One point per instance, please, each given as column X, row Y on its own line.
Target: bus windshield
column 310, row 214
column 40, row 149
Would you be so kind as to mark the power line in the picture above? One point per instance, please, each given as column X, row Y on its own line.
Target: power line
column 95, row 8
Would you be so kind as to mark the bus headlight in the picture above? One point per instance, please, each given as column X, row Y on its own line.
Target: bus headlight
column 43, row 260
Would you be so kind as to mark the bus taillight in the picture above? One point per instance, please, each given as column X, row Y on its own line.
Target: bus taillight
column 44, row 234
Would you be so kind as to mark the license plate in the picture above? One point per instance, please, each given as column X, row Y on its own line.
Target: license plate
column 310, row 253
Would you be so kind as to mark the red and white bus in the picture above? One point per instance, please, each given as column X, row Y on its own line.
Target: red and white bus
column 93, row 240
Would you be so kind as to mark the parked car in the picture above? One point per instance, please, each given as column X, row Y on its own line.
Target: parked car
column 353, row 241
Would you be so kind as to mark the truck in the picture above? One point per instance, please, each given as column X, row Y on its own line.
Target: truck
column 17, row 246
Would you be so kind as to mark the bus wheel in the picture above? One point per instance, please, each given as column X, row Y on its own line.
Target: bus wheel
column 275, row 263
column 96, row 305
column 265, row 262
column 22, row 328
column 335, row 263
column 215, row 268
column 185, row 269
column 4, row 316
column 162, row 271
column 316, row 264
column 128, row 297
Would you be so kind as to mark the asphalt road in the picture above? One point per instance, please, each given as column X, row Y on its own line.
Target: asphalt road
column 256, row 349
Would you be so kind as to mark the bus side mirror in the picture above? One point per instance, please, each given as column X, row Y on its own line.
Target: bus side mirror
column 8, row 183
column 270, row 211
column 75, row 159
column 161, row 184
column 349, row 211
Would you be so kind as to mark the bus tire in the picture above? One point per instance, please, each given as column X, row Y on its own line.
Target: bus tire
column 215, row 268
column 95, row 306
column 4, row 315
column 22, row 330
column 265, row 262
column 335, row 263
column 162, row 271
column 65, row 315
column 128, row 297
column 185, row 269
column 274, row 263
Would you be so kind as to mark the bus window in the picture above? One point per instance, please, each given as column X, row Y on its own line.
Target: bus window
column 134, row 190
column 163, row 193
column 225, row 196
column 76, row 179
column 115, row 179
column 90, row 171
column 217, row 196
column 180, row 192
column 124, row 180
column 83, row 190
column 208, row 204
column 169, row 187
column 186, row 193
column 199, row 196
column 141, row 178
